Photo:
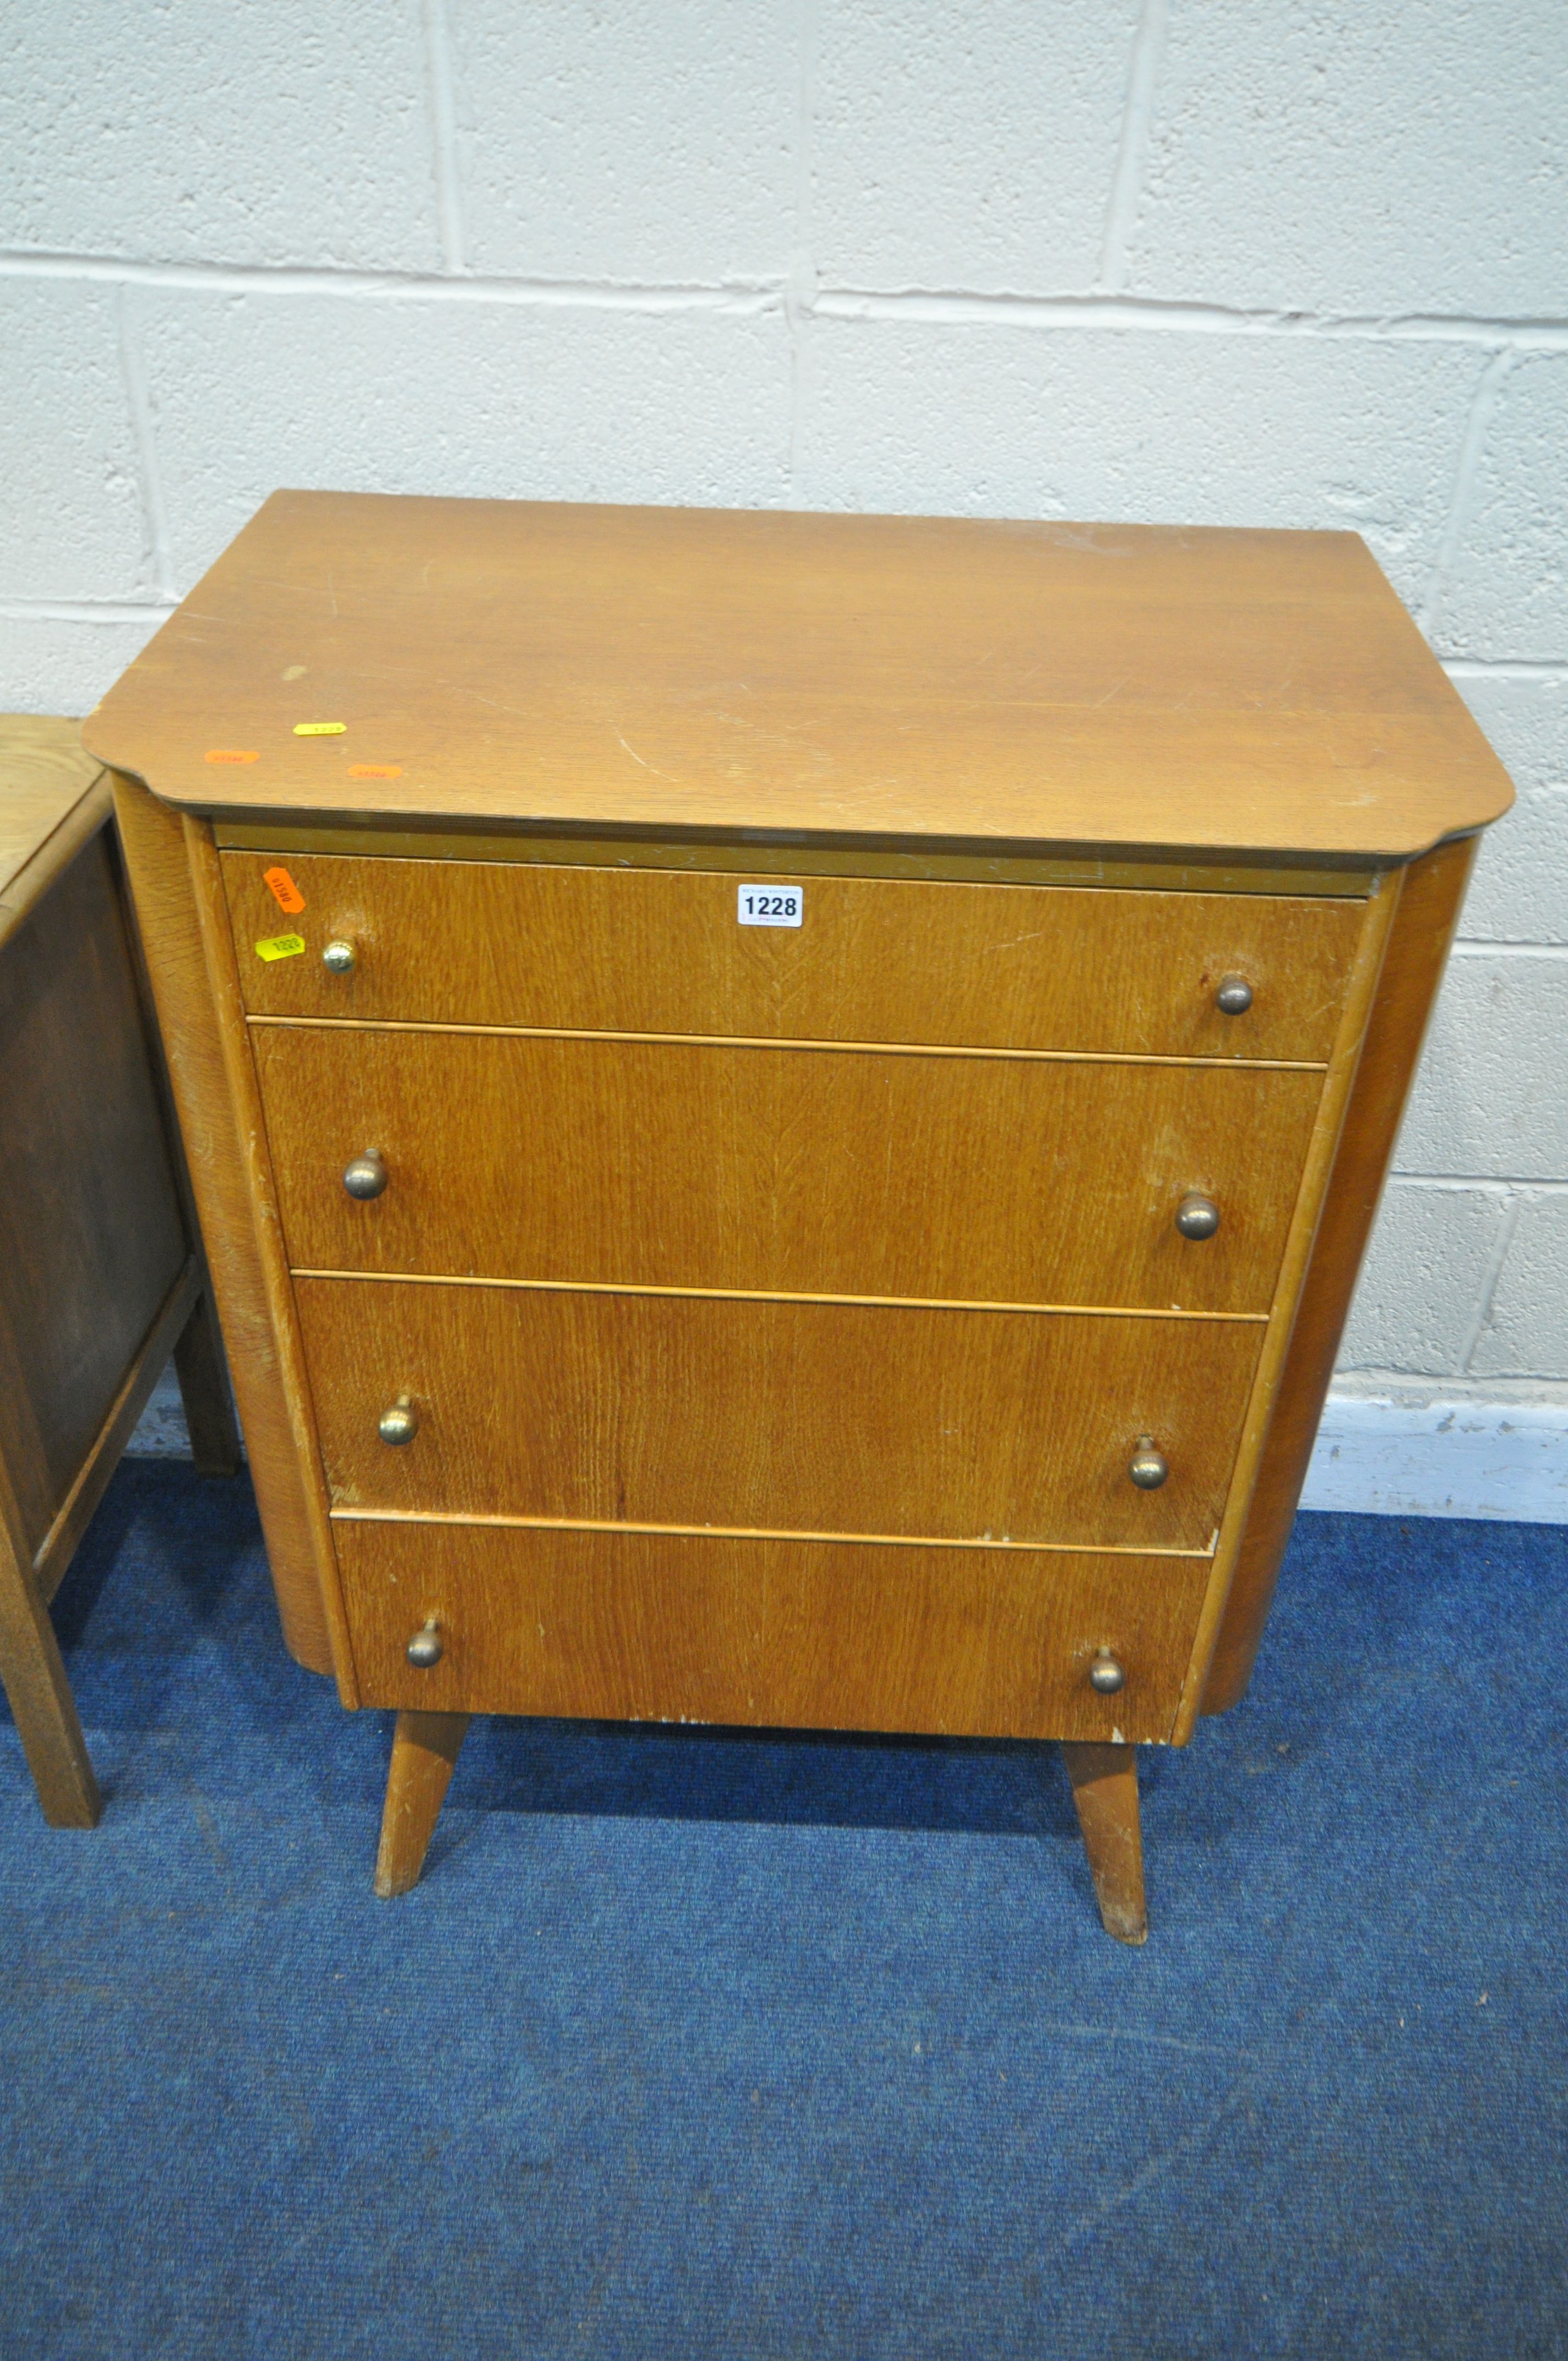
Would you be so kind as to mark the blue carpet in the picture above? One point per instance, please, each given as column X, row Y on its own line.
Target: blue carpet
column 699, row 2044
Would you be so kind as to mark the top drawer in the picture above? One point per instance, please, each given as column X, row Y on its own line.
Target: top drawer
column 658, row 950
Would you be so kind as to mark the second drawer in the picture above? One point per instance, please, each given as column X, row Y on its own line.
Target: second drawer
column 776, row 1416
column 803, row 1171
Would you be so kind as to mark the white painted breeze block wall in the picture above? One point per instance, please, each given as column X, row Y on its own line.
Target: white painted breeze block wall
column 1282, row 264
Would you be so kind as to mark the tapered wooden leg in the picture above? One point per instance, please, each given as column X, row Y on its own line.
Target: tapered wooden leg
column 1106, row 1789
column 204, row 1389
column 40, row 1699
column 425, row 1747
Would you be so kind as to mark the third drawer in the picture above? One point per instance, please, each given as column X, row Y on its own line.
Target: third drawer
column 776, row 1416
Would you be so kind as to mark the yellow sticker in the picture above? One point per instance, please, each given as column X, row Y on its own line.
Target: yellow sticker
column 319, row 729
column 281, row 947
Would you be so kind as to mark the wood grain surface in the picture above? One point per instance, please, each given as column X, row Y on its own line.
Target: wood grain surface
column 955, row 679
column 204, row 1394
column 154, row 841
column 292, row 1377
column 45, row 771
column 90, row 1481
column 660, row 951
column 37, row 1687
column 425, row 1747
column 1273, row 1361
column 781, row 1416
column 796, row 1170
column 891, row 857
column 91, row 1238
column 99, row 1272
column 811, row 1636
column 1105, row 1792
column 1432, row 893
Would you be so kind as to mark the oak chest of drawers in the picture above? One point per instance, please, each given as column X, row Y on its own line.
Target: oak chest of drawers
column 785, row 1108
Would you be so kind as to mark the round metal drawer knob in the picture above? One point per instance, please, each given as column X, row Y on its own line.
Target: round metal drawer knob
column 398, row 1425
column 1149, row 1468
column 338, row 957
column 1197, row 1217
column 1105, row 1674
column 425, row 1649
column 1235, row 997
column 367, row 1176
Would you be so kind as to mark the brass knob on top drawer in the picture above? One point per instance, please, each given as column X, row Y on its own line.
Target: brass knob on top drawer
column 338, row 957
column 1235, row 997
column 1148, row 1467
column 1197, row 1216
column 367, row 1176
column 398, row 1425
column 425, row 1649
column 1105, row 1674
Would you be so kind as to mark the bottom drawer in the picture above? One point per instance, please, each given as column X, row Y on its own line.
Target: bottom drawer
column 819, row 1635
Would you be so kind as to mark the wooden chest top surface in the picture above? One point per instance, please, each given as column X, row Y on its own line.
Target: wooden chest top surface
column 861, row 679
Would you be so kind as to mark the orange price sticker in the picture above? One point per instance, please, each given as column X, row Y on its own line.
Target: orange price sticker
column 231, row 755
column 284, row 891
column 375, row 770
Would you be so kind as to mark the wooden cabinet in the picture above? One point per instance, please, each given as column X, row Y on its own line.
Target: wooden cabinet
column 101, row 1273
column 786, row 1108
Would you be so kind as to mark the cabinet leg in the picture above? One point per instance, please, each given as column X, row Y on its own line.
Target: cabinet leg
column 425, row 1747
column 1105, row 1790
column 40, row 1699
column 204, row 1390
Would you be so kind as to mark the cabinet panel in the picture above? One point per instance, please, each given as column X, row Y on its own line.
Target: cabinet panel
column 91, row 1238
column 641, row 1627
column 806, row 1171
column 1040, row 967
column 814, row 1416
